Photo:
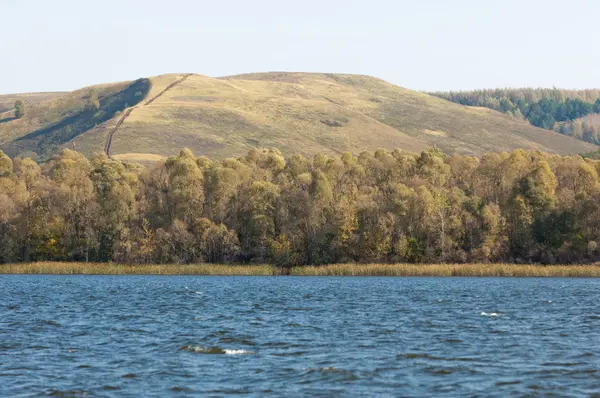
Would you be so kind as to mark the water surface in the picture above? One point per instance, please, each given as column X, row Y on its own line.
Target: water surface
column 164, row 336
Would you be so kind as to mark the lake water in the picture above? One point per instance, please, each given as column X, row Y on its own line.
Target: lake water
column 87, row 336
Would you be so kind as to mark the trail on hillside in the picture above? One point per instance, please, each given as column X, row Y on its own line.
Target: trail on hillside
column 112, row 132
column 170, row 86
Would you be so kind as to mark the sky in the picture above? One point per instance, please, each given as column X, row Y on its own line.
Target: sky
column 429, row 45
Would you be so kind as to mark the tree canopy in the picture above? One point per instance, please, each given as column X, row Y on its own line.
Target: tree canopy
column 552, row 109
column 375, row 207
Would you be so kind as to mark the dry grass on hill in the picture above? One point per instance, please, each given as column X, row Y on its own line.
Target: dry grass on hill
column 294, row 112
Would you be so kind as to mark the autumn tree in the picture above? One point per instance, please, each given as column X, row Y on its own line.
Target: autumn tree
column 385, row 206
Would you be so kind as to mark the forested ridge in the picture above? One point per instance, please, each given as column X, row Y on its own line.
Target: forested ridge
column 553, row 109
column 375, row 207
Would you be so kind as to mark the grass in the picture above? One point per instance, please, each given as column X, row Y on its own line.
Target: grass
column 49, row 125
column 72, row 268
column 448, row 270
column 225, row 117
column 7, row 102
column 441, row 270
column 139, row 157
column 43, row 111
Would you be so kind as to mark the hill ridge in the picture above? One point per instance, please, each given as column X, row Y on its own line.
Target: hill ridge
column 296, row 112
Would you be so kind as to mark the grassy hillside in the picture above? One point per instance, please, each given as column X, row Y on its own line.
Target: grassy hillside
column 7, row 102
column 54, row 123
column 295, row 112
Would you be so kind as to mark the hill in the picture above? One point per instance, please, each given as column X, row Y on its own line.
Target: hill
column 552, row 109
column 295, row 112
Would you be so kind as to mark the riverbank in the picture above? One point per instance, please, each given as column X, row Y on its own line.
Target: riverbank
column 446, row 270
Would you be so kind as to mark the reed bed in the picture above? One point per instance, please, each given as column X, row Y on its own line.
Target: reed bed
column 449, row 270
column 72, row 268
column 444, row 270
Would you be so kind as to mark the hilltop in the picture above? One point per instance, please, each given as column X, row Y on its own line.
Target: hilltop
column 304, row 113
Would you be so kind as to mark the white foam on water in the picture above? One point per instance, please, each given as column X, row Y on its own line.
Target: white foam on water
column 237, row 352
column 490, row 314
column 215, row 350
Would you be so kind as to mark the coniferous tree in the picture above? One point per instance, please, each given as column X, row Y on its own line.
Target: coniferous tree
column 19, row 109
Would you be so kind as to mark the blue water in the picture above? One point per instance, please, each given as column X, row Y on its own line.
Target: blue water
column 134, row 336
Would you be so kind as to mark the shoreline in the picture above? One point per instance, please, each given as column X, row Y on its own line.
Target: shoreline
column 397, row 270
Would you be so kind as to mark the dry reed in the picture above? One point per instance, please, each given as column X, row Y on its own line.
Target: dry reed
column 121, row 269
column 447, row 270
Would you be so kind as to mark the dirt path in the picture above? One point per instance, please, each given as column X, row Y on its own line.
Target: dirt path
column 170, row 86
column 128, row 112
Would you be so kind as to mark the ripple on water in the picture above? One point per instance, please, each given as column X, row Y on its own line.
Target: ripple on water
column 438, row 371
column 50, row 322
column 214, row 350
column 333, row 373
column 430, row 357
column 507, row 383
column 180, row 389
column 68, row 393
column 236, row 340
column 137, row 333
column 228, row 391
column 290, row 354
column 453, row 341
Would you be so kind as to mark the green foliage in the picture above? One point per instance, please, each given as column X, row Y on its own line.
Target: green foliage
column 378, row 207
column 93, row 103
column 546, row 108
column 19, row 109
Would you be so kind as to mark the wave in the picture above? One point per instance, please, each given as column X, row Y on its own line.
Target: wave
column 491, row 314
column 215, row 350
column 237, row 352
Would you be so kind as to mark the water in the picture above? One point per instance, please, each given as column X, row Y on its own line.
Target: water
column 71, row 336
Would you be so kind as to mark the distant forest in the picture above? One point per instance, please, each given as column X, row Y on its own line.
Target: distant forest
column 552, row 109
column 376, row 207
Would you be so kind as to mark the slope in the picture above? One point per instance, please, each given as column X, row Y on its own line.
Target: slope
column 7, row 101
column 450, row 126
column 55, row 122
column 295, row 112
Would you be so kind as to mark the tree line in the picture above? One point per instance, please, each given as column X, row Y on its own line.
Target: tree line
column 375, row 207
column 552, row 109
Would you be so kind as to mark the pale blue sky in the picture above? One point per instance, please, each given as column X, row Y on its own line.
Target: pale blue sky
column 424, row 45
